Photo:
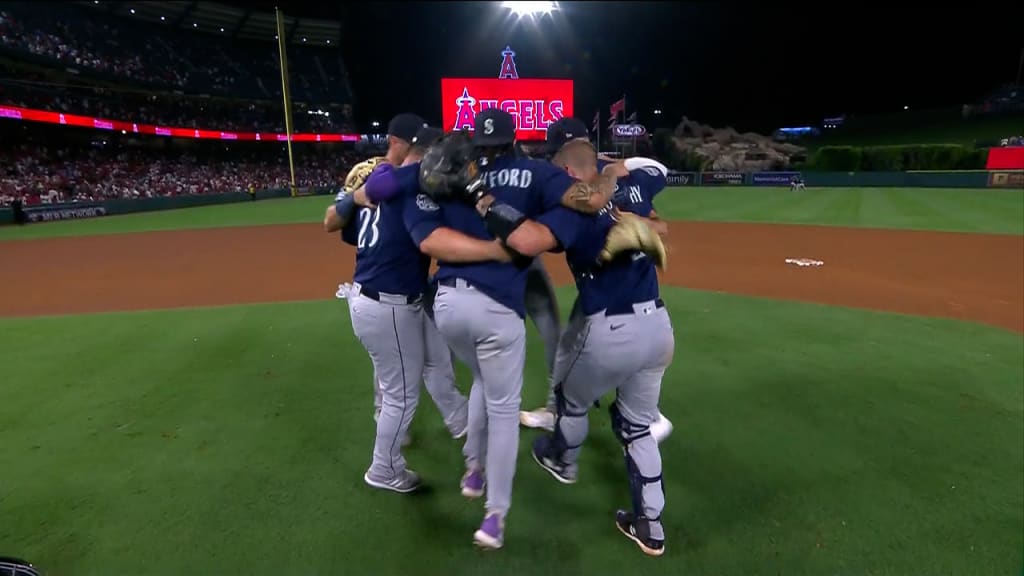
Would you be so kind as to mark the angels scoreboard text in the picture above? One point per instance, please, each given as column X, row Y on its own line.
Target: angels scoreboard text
column 534, row 103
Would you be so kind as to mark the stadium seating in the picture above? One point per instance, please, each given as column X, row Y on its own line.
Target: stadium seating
column 46, row 164
column 97, row 61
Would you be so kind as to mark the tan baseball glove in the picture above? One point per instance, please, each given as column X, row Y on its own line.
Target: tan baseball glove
column 360, row 172
column 632, row 233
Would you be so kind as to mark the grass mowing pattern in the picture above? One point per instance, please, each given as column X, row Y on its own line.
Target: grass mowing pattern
column 992, row 211
column 809, row 440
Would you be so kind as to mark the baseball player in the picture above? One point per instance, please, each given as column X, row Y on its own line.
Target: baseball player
column 386, row 309
column 541, row 300
column 559, row 134
column 625, row 344
column 480, row 307
column 438, row 369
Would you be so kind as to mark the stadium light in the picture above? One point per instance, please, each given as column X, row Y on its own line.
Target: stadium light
column 328, row 41
column 221, row 29
column 132, row 10
column 906, row 107
column 163, row 18
column 657, row 111
column 194, row 25
column 375, row 124
column 521, row 9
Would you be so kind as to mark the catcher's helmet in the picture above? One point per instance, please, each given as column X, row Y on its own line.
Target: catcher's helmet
column 16, row 567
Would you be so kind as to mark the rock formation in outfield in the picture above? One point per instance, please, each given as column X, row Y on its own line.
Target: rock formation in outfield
column 727, row 149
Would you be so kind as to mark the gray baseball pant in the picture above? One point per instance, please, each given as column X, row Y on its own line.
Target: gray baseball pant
column 392, row 332
column 628, row 353
column 490, row 339
column 542, row 308
column 439, row 379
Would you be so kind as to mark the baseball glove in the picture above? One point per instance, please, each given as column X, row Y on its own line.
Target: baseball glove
column 450, row 170
column 632, row 233
column 359, row 173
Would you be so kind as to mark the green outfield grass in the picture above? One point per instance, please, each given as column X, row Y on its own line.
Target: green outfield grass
column 809, row 440
column 992, row 211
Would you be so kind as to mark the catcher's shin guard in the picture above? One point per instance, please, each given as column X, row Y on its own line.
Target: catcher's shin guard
column 646, row 491
column 631, row 233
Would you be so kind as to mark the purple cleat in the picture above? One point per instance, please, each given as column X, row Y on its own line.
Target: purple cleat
column 473, row 483
column 491, row 533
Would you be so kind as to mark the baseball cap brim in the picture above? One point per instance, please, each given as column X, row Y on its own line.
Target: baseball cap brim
column 492, row 139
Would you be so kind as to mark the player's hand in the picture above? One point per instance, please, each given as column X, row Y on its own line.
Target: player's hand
column 502, row 253
column 483, row 204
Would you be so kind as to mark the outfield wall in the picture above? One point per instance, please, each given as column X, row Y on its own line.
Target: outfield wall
column 929, row 179
column 70, row 211
column 968, row 179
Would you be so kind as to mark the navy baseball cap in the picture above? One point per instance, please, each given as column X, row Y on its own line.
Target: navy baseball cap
column 426, row 136
column 405, row 126
column 494, row 127
column 564, row 130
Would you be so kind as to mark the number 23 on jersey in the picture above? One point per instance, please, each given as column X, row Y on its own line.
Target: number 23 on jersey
column 368, row 232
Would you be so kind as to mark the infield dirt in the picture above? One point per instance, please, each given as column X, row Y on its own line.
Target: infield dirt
column 966, row 276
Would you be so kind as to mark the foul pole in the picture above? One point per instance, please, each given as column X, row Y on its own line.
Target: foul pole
column 285, row 94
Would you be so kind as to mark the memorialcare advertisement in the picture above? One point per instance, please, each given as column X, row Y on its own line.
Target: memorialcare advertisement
column 773, row 178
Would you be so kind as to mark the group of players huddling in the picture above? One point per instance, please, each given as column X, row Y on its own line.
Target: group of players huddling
column 485, row 212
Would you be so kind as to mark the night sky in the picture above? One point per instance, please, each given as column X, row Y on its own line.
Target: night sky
column 753, row 66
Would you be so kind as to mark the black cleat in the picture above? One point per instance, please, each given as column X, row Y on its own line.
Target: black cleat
column 638, row 529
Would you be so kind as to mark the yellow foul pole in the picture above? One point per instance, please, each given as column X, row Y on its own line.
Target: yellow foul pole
column 285, row 94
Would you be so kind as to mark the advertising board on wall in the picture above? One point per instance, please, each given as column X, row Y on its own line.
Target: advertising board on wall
column 1006, row 179
column 51, row 212
column 681, row 179
column 721, row 178
column 773, row 178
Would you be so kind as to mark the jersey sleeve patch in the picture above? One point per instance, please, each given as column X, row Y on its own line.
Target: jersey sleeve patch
column 426, row 203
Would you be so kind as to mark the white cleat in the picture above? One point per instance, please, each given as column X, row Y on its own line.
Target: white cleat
column 661, row 428
column 539, row 418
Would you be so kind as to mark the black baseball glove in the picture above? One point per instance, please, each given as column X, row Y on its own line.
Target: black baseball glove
column 451, row 170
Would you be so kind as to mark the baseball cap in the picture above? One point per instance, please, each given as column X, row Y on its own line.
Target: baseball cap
column 494, row 127
column 405, row 126
column 426, row 136
column 564, row 130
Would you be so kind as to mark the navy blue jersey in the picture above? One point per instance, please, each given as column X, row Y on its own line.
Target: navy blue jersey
column 630, row 278
column 532, row 187
column 387, row 259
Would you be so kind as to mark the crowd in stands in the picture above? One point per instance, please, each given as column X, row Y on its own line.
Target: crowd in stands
column 41, row 174
column 166, row 109
column 74, row 36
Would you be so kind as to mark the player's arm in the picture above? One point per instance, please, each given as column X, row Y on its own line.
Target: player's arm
column 381, row 185
column 452, row 246
column 589, row 197
column 339, row 213
column 524, row 236
column 423, row 221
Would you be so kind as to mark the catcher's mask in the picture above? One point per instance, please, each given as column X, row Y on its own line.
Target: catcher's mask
column 16, row 567
column 449, row 162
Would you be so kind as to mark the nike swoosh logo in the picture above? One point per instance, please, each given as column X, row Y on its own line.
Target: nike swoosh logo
column 617, row 326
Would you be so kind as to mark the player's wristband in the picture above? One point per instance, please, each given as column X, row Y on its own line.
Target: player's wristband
column 344, row 205
column 502, row 220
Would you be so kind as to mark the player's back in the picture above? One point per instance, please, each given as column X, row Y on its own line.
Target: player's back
column 629, row 279
column 530, row 186
column 387, row 259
